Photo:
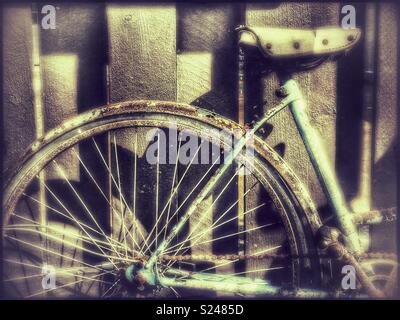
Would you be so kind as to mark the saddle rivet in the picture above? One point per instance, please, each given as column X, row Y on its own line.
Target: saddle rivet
column 350, row 38
column 325, row 42
column 296, row 45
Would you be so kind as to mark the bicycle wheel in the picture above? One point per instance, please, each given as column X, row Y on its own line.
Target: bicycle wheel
column 86, row 208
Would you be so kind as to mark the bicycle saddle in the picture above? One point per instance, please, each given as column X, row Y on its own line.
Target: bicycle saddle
column 278, row 43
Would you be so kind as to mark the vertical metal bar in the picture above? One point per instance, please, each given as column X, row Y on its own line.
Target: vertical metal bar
column 2, row 24
column 37, row 88
column 241, row 180
column 241, row 175
column 398, row 153
column 362, row 201
column 110, row 211
column 322, row 165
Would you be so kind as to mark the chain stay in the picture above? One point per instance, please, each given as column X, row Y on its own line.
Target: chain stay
column 213, row 257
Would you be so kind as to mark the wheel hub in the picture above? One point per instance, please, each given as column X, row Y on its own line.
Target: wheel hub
column 139, row 276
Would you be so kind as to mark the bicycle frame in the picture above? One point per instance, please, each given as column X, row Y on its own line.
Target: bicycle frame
column 326, row 175
column 317, row 155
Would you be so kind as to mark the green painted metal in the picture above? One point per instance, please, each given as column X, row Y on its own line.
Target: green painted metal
column 323, row 166
column 236, row 285
column 326, row 174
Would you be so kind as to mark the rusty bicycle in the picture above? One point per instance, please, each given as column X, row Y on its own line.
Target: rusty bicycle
column 129, row 228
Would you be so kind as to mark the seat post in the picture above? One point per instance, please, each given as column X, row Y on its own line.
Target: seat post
column 241, row 182
column 321, row 163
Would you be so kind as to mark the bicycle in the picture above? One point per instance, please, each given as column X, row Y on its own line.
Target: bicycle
column 136, row 249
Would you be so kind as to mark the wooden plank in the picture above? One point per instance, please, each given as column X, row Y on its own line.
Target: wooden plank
column 19, row 126
column 194, row 80
column 384, row 186
column 73, row 62
column 17, row 84
column 60, row 73
column 142, row 52
column 81, row 31
column 73, row 68
column 209, row 28
column 206, row 78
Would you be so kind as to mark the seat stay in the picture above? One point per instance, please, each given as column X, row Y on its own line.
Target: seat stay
column 323, row 167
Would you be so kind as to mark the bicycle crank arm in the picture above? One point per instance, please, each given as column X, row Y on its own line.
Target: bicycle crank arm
column 329, row 241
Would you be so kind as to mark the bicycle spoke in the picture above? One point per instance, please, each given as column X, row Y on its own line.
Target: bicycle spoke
column 73, row 217
column 112, row 287
column 60, row 170
column 58, row 271
column 69, row 284
column 20, row 258
column 134, row 185
column 97, row 267
column 52, row 252
column 95, row 182
column 172, row 187
column 204, row 214
column 122, row 196
column 209, row 187
column 187, row 198
column 70, row 244
column 77, row 236
column 213, row 226
column 254, row 271
column 171, row 197
column 157, row 183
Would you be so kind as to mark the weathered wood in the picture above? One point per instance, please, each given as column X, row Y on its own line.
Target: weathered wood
column 142, row 52
column 209, row 28
column 206, row 78
column 384, row 170
column 60, row 73
column 17, row 84
column 81, row 31
column 194, row 80
column 73, row 60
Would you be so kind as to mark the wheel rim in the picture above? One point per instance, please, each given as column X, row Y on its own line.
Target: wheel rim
column 113, row 122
